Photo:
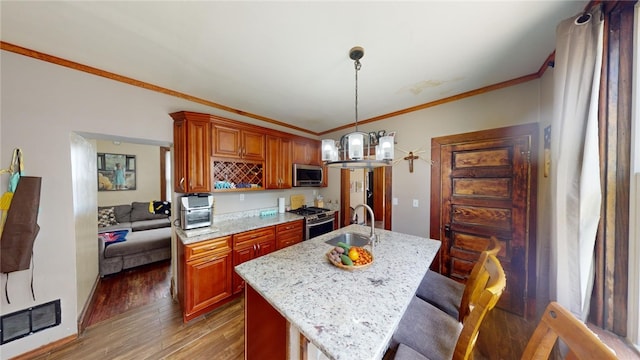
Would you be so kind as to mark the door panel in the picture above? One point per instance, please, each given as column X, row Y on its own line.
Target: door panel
column 483, row 189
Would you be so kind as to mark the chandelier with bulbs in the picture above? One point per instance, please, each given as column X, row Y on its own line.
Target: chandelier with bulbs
column 358, row 149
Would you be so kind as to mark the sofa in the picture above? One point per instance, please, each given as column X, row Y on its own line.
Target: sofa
column 145, row 236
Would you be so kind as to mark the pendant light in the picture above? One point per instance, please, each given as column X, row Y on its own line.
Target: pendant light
column 354, row 150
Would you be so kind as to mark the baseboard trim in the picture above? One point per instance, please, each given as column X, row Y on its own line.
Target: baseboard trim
column 46, row 348
column 83, row 319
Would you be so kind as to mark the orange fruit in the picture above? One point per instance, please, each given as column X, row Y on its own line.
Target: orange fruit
column 353, row 253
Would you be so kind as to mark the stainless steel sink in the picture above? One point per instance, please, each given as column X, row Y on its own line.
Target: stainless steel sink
column 351, row 239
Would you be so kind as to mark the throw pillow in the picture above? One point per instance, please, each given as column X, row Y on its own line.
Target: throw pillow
column 113, row 236
column 106, row 217
column 140, row 212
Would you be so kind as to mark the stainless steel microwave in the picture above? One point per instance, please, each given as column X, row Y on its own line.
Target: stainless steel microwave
column 307, row 175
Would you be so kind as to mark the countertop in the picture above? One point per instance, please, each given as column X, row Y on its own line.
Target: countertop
column 233, row 226
column 346, row 314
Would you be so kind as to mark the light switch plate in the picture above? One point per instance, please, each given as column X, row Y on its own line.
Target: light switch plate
column 415, row 202
column 395, row 201
column 241, row 197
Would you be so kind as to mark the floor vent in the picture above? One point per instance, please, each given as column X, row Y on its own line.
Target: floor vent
column 28, row 321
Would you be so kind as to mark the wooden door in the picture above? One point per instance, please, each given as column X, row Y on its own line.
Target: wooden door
column 226, row 141
column 198, row 158
column 252, row 145
column 192, row 147
column 179, row 156
column 209, row 281
column 306, row 151
column 483, row 185
column 265, row 247
column 278, row 163
column 241, row 255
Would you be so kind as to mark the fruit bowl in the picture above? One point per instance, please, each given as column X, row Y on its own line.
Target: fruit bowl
column 350, row 267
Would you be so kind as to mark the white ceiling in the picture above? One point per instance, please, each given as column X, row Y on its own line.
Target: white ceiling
column 288, row 61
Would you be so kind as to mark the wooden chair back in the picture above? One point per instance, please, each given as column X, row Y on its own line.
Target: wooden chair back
column 492, row 290
column 477, row 280
column 558, row 322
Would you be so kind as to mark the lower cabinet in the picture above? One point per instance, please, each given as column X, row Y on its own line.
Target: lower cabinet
column 250, row 245
column 206, row 269
column 290, row 233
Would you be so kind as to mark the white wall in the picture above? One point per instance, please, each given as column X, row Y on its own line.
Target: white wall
column 510, row 106
column 147, row 173
column 83, row 165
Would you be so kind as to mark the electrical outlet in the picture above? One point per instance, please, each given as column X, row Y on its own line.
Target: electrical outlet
column 395, row 201
column 315, row 192
column 241, row 197
column 415, row 202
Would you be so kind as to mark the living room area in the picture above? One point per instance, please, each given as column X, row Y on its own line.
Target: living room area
column 134, row 227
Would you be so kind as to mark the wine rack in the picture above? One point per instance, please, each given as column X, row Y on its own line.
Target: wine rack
column 235, row 175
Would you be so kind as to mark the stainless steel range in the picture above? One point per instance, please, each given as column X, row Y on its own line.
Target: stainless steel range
column 318, row 221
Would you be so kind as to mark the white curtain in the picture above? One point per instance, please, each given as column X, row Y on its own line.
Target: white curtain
column 575, row 174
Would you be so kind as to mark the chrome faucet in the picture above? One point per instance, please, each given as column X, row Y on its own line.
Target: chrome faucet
column 372, row 236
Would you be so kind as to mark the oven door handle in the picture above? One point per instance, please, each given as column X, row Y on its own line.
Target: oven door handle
column 329, row 219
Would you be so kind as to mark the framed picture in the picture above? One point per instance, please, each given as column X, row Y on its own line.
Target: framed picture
column 116, row 172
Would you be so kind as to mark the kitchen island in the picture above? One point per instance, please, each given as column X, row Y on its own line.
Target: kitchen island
column 296, row 299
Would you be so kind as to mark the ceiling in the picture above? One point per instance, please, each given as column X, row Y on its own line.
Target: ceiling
column 288, row 61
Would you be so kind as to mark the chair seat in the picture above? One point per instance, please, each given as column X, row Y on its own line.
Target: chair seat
column 427, row 330
column 441, row 292
column 406, row 353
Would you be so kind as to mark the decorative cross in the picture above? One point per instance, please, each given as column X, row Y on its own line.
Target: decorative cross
column 411, row 157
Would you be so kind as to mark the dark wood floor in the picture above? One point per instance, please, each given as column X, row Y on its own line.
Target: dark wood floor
column 135, row 318
column 130, row 289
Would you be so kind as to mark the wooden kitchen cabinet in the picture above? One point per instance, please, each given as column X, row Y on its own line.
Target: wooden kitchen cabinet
column 205, row 271
column 306, row 151
column 289, row 233
column 250, row 245
column 278, row 163
column 192, row 148
column 235, row 141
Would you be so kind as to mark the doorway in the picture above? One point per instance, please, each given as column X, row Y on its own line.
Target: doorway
column 376, row 191
column 484, row 184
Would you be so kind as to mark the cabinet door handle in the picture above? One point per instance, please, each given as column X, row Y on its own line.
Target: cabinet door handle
column 182, row 183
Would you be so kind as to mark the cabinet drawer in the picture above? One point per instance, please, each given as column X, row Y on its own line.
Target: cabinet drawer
column 207, row 247
column 290, row 226
column 289, row 233
column 252, row 236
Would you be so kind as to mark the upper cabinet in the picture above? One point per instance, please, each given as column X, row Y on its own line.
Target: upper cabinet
column 278, row 164
column 234, row 141
column 306, row 151
column 192, row 146
column 215, row 154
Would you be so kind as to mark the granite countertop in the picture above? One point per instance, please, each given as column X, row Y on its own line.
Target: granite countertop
column 346, row 314
column 233, row 226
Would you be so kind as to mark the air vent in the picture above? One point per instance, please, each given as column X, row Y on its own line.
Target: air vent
column 28, row 321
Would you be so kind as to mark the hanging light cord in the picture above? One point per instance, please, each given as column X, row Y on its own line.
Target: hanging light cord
column 357, row 66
